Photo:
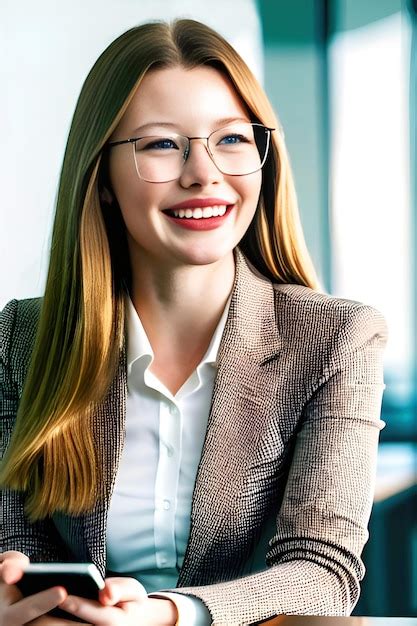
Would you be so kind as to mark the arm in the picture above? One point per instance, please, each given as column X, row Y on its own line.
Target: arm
column 39, row 541
column 314, row 564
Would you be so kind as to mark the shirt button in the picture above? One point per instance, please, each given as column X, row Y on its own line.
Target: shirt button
column 166, row 504
column 173, row 410
column 170, row 451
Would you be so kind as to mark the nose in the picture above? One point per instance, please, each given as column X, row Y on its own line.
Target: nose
column 199, row 168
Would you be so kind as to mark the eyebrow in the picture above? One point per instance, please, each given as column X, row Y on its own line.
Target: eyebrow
column 217, row 124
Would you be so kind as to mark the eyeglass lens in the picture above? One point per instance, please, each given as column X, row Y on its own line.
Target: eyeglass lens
column 237, row 149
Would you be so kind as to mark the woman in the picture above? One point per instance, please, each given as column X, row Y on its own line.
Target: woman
column 195, row 416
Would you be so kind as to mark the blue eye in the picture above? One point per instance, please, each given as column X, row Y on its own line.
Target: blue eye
column 233, row 139
column 161, row 144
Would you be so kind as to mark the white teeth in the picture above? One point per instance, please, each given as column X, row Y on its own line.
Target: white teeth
column 199, row 212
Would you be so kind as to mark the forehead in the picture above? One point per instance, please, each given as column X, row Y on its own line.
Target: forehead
column 188, row 98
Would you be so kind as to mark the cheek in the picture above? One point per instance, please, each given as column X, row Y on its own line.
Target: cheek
column 250, row 188
column 129, row 194
column 124, row 180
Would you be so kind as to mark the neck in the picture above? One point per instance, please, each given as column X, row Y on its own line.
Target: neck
column 181, row 304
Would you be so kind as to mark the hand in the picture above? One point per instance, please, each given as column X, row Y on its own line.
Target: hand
column 123, row 602
column 16, row 610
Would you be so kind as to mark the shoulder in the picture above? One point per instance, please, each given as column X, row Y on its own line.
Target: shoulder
column 20, row 317
column 303, row 312
column 326, row 321
column 23, row 312
column 315, row 305
column 18, row 323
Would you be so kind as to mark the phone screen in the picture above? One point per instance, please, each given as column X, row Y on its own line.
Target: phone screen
column 79, row 579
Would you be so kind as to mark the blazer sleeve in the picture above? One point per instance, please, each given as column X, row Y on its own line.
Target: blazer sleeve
column 40, row 540
column 313, row 564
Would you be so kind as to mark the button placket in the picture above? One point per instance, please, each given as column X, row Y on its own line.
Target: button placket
column 166, row 485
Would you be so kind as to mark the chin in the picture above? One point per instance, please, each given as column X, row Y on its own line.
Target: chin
column 206, row 256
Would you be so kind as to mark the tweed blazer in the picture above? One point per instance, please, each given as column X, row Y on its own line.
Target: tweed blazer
column 287, row 469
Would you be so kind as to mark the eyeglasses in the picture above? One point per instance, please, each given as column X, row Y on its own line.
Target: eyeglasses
column 236, row 150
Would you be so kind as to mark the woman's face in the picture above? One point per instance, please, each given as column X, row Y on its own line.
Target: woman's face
column 192, row 103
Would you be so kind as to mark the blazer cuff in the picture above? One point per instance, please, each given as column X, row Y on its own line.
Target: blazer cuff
column 191, row 610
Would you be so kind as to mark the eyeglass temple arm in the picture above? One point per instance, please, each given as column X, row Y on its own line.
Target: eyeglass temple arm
column 118, row 143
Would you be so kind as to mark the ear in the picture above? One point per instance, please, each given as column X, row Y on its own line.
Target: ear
column 106, row 196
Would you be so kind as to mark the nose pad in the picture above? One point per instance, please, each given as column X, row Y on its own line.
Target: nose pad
column 200, row 173
column 187, row 150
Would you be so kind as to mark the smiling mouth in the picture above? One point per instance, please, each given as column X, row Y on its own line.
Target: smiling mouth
column 199, row 213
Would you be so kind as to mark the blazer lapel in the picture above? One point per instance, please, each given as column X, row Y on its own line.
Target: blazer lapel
column 238, row 409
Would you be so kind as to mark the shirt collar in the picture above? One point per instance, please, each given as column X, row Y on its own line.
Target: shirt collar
column 137, row 340
column 138, row 343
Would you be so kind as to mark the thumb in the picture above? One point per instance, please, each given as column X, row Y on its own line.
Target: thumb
column 122, row 590
column 12, row 565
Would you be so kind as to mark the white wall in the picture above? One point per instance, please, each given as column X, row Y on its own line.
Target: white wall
column 47, row 49
column 370, row 184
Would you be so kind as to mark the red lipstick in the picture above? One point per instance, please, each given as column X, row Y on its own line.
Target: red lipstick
column 200, row 223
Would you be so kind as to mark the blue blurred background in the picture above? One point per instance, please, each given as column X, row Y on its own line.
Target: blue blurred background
column 342, row 77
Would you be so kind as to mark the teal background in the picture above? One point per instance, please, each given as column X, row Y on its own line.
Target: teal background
column 297, row 36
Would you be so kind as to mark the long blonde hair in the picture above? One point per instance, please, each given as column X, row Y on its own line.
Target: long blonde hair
column 52, row 454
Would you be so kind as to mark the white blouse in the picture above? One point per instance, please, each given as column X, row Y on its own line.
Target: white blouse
column 149, row 516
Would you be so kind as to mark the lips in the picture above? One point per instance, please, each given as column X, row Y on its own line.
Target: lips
column 200, row 213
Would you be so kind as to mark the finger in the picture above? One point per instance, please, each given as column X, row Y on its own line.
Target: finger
column 34, row 606
column 11, row 572
column 12, row 567
column 122, row 589
column 9, row 594
column 13, row 554
column 92, row 612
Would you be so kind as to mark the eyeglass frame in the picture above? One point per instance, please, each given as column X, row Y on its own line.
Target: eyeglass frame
column 132, row 140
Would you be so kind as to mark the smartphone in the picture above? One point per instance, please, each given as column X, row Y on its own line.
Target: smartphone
column 79, row 579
